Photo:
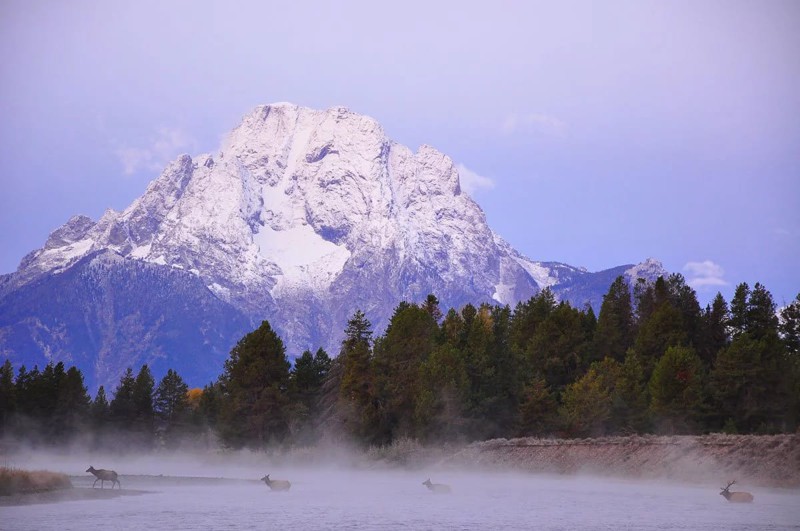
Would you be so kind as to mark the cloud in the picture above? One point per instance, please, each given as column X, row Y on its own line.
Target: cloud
column 704, row 274
column 471, row 182
column 165, row 145
column 539, row 122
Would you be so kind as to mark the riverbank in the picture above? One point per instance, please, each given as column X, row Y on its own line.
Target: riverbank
column 762, row 460
column 15, row 481
column 63, row 495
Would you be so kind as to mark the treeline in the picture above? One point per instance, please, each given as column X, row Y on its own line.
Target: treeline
column 653, row 361
column 53, row 407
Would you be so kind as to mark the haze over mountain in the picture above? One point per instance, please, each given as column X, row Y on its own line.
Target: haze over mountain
column 301, row 217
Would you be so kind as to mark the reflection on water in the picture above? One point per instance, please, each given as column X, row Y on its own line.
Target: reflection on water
column 398, row 500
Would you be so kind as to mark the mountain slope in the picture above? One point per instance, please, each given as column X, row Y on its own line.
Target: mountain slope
column 106, row 313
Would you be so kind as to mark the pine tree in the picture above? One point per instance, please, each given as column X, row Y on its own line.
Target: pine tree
column 715, row 330
column 615, row 326
column 171, row 401
column 558, row 349
column 740, row 313
column 676, row 390
column 790, row 335
column 506, row 383
column 431, row 306
column 789, row 327
column 762, row 320
column 629, row 407
column 480, row 369
column 586, row 406
column 100, row 410
column 751, row 384
column 144, row 413
column 538, row 410
column 72, row 409
column 122, row 409
column 408, row 341
column 663, row 329
column 8, row 398
column 528, row 316
column 254, row 403
column 307, row 378
column 441, row 404
column 684, row 299
column 209, row 406
column 356, row 380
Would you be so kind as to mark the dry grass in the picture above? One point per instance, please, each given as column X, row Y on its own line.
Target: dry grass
column 16, row 481
column 766, row 460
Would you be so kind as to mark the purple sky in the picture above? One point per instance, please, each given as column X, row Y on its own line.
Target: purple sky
column 594, row 133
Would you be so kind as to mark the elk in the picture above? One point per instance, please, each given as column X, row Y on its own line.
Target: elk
column 439, row 488
column 103, row 476
column 737, row 497
column 276, row 484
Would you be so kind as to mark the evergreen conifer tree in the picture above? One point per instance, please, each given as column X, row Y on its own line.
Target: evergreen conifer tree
column 538, row 410
column 8, row 399
column 615, row 326
column 171, row 401
column 676, row 390
column 72, row 409
column 122, row 409
column 254, row 403
column 715, row 330
column 100, row 409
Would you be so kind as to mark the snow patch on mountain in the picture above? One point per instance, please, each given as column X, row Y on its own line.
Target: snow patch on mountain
column 302, row 255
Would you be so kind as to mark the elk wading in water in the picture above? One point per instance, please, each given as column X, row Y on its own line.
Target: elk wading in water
column 738, row 497
column 103, row 476
column 440, row 488
column 276, row 484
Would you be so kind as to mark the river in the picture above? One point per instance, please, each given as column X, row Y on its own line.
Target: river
column 361, row 500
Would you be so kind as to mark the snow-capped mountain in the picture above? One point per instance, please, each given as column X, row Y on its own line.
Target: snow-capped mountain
column 302, row 217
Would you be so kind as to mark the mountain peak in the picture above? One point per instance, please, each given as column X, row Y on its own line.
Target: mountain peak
column 304, row 216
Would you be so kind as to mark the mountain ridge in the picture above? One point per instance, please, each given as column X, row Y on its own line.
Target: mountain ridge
column 303, row 216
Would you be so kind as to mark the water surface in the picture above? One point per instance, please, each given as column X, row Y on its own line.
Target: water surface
column 358, row 500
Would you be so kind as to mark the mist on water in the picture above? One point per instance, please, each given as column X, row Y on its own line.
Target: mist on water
column 338, row 488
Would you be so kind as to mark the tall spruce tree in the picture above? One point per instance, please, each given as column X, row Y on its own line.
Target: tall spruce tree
column 171, row 401
column 559, row 348
column 8, row 398
column 443, row 385
column 122, row 409
column 409, row 340
column 72, row 409
column 676, row 390
column 752, row 378
column 254, row 403
column 739, row 311
column 615, row 326
column 715, row 330
column 538, row 410
column 307, row 379
column 100, row 409
column 790, row 327
column 144, row 413
column 586, row 406
column 356, row 380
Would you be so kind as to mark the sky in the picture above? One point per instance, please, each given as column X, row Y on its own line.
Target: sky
column 591, row 133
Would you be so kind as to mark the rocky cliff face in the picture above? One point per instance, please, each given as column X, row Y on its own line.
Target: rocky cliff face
column 302, row 217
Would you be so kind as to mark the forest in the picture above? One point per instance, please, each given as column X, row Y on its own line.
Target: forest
column 652, row 361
